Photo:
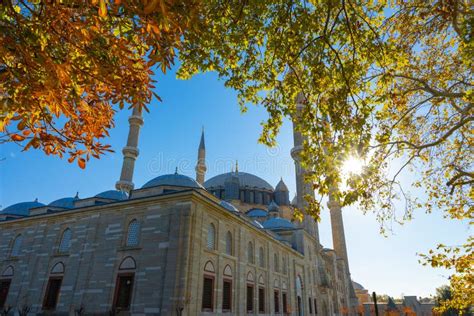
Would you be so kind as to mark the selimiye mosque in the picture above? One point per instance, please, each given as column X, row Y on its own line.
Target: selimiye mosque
column 177, row 245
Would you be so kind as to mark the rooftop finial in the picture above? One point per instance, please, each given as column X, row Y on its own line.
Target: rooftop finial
column 77, row 195
column 176, row 170
column 236, row 166
column 36, row 200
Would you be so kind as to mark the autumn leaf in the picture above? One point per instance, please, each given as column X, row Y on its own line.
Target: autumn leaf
column 81, row 162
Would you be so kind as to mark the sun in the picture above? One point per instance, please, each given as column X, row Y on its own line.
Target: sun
column 352, row 165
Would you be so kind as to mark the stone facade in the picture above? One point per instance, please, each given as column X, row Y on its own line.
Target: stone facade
column 170, row 259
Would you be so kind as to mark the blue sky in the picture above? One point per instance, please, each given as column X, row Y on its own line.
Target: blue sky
column 169, row 139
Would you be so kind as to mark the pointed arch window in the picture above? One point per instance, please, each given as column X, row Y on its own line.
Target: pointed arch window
column 53, row 288
column 208, row 287
column 65, row 242
column 211, row 237
column 250, row 254
column 261, row 257
column 228, row 244
column 124, row 284
column 16, row 246
column 227, row 290
column 5, row 281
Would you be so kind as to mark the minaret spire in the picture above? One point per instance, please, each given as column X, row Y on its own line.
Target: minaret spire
column 130, row 152
column 302, row 188
column 201, row 161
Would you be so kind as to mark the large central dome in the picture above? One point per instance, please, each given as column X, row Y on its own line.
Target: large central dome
column 245, row 179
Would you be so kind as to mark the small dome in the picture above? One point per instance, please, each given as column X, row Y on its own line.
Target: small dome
column 174, row 180
column 278, row 223
column 281, row 186
column 357, row 286
column 67, row 202
column 229, row 206
column 22, row 209
column 113, row 195
column 245, row 179
column 257, row 212
column 273, row 207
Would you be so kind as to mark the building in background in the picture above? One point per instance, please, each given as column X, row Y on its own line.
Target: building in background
column 407, row 306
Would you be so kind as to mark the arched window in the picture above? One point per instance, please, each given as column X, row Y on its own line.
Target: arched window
column 227, row 290
column 16, row 246
column 261, row 257
column 65, row 242
column 124, row 283
column 132, row 233
column 211, row 237
column 53, row 288
column 250, row 255
column 275, row 262
column 208, row 287
column 228, row 244
column 283, row 264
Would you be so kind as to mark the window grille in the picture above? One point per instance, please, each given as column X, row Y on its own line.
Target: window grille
column 132, row 234
column 65, row 242
column 211, row 237
column 16, row 248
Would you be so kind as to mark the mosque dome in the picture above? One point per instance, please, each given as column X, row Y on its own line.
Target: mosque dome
column 278, row 223
column 22, row 209
column 257, row 212
column 229, row 206
column 281, row 186
column 67, row 202
column 113, row 195
column 245, row 179
column 175, row 179
column 357, row 286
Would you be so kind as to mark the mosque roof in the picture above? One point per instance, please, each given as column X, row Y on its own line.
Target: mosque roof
column 281, row 186
column 278, row 223
column 273, row 207
column 257, row 224
column 228, row 206
column 245, row 179
column 113, row 195
column 257, row 212
column 357, row 286
column 67, row 202
column 175, row 179
column 22, row 208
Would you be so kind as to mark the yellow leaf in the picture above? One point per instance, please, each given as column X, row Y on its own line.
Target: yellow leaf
column 102, row 9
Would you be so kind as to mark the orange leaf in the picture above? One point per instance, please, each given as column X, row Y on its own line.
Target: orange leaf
column 17, row 138
column 81, row 162
column 71, row 159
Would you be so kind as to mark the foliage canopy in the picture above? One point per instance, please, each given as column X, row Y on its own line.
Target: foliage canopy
column 388, row 82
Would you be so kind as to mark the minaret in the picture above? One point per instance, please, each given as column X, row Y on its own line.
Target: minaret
column 130, row 152
column 201, row 161
column 302, row 188
column 337, row 227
